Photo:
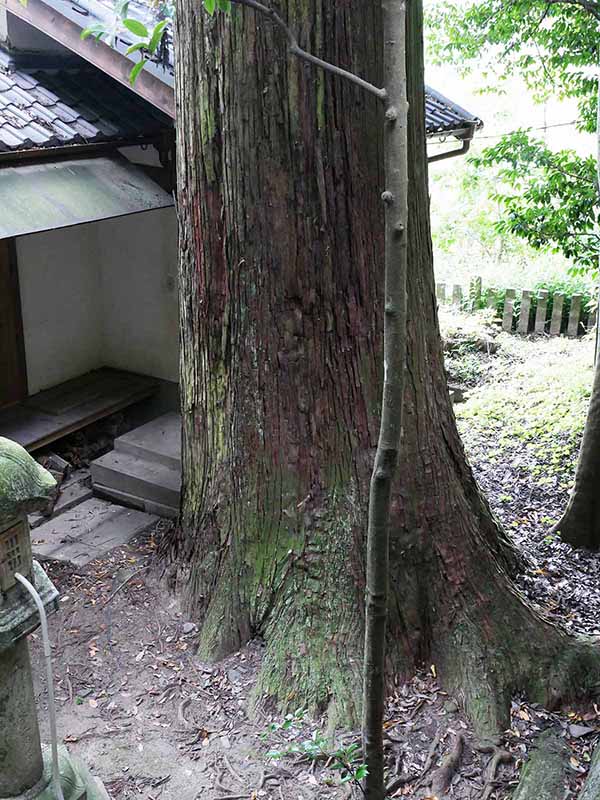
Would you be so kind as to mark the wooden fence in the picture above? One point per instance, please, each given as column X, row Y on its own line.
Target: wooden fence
column 522, row 310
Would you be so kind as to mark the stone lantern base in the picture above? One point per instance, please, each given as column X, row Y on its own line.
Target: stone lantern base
column 76, row 780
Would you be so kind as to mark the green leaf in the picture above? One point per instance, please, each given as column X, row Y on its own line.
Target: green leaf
column 361, row 772
column 97, row 30
column 135, row 47
column 136, row 71
column 136, row 27
column 157, row 35
column 224, row 5
column 210, row 6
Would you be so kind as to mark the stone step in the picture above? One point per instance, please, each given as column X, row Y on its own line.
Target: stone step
column 133, row 501
column 72, row 494
column 126, row 474
column 158, row 440
column 88, row 531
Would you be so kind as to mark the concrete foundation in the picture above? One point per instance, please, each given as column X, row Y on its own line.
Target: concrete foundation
column 21, row 764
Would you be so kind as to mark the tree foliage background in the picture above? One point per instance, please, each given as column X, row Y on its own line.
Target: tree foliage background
column 547, row 198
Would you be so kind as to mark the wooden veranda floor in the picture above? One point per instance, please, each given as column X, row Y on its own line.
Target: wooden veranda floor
column 54, row 413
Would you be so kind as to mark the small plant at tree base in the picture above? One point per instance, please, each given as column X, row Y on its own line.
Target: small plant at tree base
column 343, row 759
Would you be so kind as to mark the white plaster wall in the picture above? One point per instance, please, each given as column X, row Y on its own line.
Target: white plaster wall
column 138, row 265
column 101, row 294
column 60, row 285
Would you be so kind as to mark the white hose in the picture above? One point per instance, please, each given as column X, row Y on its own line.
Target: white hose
column 50, row 680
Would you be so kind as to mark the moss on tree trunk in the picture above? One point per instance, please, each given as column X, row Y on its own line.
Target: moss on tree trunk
column 281, row 268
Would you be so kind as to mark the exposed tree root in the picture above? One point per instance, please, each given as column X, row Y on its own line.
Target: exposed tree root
column 502, row 645
column 442, row 777
column 181, row 712
column 219, row 782
column 401, row 780
column 231, row 770
column 233, row 797
column 430, row 756
column 544, row 775
column 499, row 756
column 265, row 778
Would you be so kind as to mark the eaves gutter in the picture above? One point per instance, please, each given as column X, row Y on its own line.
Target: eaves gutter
column 68, row 33
column 466, row 136
column 76, row 150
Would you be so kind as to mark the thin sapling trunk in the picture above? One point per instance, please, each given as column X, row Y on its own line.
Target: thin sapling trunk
column 580, row 524
column 395, row 198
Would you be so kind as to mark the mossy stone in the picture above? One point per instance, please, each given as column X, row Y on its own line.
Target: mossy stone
column 24, row 484
column 544, row 776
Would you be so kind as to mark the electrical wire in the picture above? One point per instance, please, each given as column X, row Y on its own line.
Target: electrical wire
column 50, row 679
column 518, row 130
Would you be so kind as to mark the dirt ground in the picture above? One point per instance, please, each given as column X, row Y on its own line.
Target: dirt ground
column 136, row 704
column 153, row 721
column 521, row 425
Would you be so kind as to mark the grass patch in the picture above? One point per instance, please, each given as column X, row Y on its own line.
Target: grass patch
column 531, row 410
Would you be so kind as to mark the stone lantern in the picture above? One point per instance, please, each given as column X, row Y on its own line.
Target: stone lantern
column 25, row 765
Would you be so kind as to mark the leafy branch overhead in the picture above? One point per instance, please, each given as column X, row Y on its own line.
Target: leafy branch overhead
column 550, row 197
column 552, row 44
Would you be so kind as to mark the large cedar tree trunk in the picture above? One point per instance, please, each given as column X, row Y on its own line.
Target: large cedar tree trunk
column 281, row 280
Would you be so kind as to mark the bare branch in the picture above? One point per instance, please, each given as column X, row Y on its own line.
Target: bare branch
column 296, row 50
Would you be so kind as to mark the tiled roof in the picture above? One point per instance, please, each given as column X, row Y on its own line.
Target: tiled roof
column 442, row 115
column 55, row 108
